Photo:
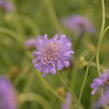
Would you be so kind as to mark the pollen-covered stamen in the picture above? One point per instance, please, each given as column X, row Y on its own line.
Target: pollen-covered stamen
column 106, row 82
column 50, row 52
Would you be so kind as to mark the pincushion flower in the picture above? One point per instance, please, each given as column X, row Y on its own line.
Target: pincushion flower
column 7, row 94
column 101, row 82
column 103, row 100
column 6, row 5
column 52, row 54
column 67, row 103
column 31, row 43
column 78, row 25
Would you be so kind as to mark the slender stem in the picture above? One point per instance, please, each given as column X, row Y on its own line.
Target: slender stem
column 18, row 26
column 36, row 98
column 46, row 84
column 98, row 51
column 29, row 83
column 79, row 41
column 105, row 30
column 50, row 9
column 95, row 65
column 11, row 34
column 66, row 85
column 101, row 36
column 68, row 88
column 102, row 32
column 85, row 77
column 24, row 71
column 30, row 24
column 73, row 77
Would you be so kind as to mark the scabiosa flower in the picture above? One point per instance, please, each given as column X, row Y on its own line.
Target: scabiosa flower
column 103, row 100
column 6, row 5
column 102, row 81
column 78, row 25
column 52, row 54
column 7, row 94
column 31, row 43
column 67, row 103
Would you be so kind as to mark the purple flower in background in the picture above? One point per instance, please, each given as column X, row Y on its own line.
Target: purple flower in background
column 7, row 94
column 67, row 103
column 31, row 43
column 102, row 81
column 6, row 5
column 103, row 100
column 52, row 54
column 78, row 25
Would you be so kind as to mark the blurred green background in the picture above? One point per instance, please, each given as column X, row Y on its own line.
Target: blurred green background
column 37, row 17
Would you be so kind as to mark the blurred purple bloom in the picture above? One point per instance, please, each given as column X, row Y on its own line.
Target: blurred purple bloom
column 31, row 43
column 52, row 54
column 104, row 99
column 78, row 25
column 102, row 81
column 67, row 103
column 6, row 5
column 7, row 94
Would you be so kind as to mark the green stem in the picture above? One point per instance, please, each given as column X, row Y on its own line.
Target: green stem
column 95, row 65
column 36, row 98
column 65, row 84
column 29, row 83
column 18, row 26
column 11, row 34
column 23, row 72
column 97, row 53
column 105, row 30
column 52, row 15
column 69, row 89
column 45, row 83
column 100, row 37
column 30, row 24
column 73, row 76
column 85, row 77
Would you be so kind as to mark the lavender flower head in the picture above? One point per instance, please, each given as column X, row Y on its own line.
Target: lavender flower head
column 102, row 81
column 6, row 5
column 52, row 54
column 103, row 100
column 78, row 25
column 67, row 103
column 7, row 94
column 31, row 43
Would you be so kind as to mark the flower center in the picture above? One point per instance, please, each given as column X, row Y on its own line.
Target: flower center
column 50, row 52
column 107, row 82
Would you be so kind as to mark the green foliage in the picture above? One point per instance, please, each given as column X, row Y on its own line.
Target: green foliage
column 34, row 17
